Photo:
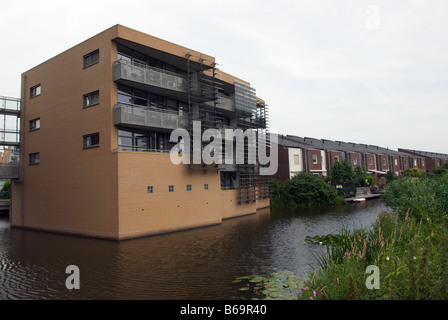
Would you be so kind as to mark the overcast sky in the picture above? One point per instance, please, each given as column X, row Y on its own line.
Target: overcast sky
column 365, row 71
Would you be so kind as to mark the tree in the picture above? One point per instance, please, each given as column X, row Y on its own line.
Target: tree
column 363, row 179
column 6, row 190
column 341, row 172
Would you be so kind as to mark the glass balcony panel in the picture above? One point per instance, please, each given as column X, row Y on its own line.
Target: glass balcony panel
column 144, row 74
column 138, row 116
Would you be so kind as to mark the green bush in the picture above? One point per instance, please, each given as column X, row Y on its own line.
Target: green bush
column 414, row 172
column 425, row 197
column 303, row 189
column 6, row 190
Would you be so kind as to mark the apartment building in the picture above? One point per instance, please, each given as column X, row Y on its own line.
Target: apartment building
column 96, row 123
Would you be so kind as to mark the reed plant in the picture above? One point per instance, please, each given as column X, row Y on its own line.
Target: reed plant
column 408, row 245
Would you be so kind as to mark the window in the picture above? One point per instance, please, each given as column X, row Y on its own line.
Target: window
column 396, row 162
column 91, row 140
column 314, row 158
column 141, row 140
column 35, row 91
column 296, row 159
column 150, row 189
column 91, row 99
column 188, row 187
column 171, row 188
column 423, row 163
column 355, row 161
column 370, row 161
column 34, row 124
column 336, row 158
column 92, row 58
column 34, row 158
column 384, row 161
column 206, row 186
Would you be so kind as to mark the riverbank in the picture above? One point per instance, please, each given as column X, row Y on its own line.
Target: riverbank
column 402, row 256
column 363, row 197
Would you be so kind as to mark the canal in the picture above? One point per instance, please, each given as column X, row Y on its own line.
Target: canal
column 194, row 264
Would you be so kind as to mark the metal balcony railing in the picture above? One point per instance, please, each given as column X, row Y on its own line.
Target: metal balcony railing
column 149, row 118
column 9, row 106
column 136, row 72
column 9, row 170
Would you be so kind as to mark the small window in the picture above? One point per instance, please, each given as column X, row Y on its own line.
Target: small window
column 355, row 161
column 92, row 58
column 35, row 91
column 91, row 99
column 384, row 162
column 336, row 158
column 370, row 161
column 91, row 140
column 296, row 160
column 34, row 124
column 206, row 186
column 171, row 188
column 314, row 159
column 34, row 158
column 396, row 162
column 188, row 187
column 150, row 189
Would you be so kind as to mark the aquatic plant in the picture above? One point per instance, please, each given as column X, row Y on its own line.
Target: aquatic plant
column 277, row 285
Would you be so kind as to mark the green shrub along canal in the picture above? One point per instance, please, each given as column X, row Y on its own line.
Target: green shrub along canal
column 193, row 264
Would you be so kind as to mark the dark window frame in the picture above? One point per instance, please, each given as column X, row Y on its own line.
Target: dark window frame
column 171, row 188
column 34, row 158
column 90, row 96
column 150, row 189
column 33, row 92
column 33, row 123
column 88, row 59
column 205, row 186
column 92, row 144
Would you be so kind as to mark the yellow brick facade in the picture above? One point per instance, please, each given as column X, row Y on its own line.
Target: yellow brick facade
column 102, row 192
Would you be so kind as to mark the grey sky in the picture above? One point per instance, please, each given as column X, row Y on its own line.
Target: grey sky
column 366, row 71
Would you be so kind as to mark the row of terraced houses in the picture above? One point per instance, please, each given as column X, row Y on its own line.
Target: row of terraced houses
column 316, row 156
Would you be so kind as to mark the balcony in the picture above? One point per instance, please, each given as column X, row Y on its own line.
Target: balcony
column 225, row 103
column 136, row 116
column 9, row 170
column 10, row 106
column 228, row 167
column 126, row 72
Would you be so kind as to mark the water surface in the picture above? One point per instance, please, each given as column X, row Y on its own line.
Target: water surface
column 193, row 264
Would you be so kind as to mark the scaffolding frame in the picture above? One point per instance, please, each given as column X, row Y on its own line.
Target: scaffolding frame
column 250, row 113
